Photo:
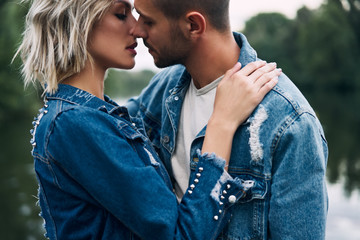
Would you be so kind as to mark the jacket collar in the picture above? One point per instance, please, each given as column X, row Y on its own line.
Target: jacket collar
column 80, row 97
column 247, row 53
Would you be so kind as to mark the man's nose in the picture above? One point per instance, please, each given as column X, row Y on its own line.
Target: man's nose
column 139, row 31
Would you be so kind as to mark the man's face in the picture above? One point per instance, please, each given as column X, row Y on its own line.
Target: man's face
column 164, row 39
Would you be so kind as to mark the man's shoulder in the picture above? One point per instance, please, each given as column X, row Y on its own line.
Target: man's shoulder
column 286, row 101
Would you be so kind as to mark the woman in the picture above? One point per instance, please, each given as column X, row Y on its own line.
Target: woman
column 99, row 177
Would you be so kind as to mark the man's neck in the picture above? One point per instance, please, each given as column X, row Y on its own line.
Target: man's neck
column 213, row 55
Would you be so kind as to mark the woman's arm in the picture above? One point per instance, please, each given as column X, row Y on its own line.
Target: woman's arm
column 113, row 164
column 238, row 94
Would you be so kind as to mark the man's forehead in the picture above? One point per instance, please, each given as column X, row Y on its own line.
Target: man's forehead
column 146, row 8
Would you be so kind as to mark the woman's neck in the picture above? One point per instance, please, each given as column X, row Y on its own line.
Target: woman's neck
column 90, row 79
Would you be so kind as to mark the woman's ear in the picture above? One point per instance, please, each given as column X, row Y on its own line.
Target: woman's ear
column 196, row 23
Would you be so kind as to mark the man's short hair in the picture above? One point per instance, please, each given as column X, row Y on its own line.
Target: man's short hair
column 217, row 11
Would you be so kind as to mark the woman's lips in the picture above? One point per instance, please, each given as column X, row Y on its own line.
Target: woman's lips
column 132, row 47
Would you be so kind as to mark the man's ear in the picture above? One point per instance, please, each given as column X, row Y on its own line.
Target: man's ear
column 196, row 23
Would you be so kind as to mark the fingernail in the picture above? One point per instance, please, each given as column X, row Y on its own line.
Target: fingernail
column 273, row 63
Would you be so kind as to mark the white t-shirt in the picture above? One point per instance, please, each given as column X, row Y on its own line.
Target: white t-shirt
column 195, row 114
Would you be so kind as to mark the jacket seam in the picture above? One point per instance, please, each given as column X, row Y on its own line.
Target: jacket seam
column 149, row 114
column 48, row 208
column 285, row 126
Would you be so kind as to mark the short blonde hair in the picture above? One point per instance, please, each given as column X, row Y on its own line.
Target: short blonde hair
column 55, row 40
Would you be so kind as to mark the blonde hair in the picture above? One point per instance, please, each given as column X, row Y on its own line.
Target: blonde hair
column 55, row 40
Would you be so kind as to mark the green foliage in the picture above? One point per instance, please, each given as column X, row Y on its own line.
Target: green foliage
column 271, row 34
column 19, row 215
column 319, row 49
column 329, row 49
column 124, row 84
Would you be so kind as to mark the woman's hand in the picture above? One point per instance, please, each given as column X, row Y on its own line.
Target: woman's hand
column 238, row 94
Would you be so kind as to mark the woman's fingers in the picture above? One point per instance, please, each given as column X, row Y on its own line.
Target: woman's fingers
column 268, row 86
column 233, row 70
column 267, row 77
column 268, row 67
column 252, row 67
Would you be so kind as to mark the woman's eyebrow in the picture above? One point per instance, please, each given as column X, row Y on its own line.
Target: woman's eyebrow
column 126, row 3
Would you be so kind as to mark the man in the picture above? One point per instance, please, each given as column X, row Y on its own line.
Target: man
column 280, row 150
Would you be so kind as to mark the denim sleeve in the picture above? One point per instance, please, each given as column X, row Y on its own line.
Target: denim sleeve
column 92, row 150
column 133, row 106
column 298, row 202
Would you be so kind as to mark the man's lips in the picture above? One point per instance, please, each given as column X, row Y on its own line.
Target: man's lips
column 150, row 49
column 132, row 47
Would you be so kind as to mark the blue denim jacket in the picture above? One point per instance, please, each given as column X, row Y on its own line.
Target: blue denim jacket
column 99, row 177
column 281, row 147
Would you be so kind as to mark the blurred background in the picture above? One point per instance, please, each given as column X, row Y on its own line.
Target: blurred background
column 316, row 43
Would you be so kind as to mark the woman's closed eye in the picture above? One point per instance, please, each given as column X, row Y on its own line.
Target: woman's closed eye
column 121, row 16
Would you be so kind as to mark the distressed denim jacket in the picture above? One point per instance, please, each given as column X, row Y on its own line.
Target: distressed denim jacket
column 281, row 147
column 100, row 178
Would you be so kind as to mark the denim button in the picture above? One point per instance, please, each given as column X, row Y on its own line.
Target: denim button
column 176, row 98
column 232, row 199
column 198, row 175
column 201, row 169
column 192, row 186
column 166, row 139
column 216, row 217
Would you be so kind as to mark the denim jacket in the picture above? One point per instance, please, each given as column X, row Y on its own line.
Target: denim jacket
column 100, row 178
column 281, row 147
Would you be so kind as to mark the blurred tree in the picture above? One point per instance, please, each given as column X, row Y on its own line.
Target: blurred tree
column 271, row 35
column 329, row 49
column 19, row 216
column 125, row 84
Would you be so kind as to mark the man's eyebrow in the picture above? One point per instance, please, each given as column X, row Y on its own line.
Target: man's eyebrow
column 142, row 14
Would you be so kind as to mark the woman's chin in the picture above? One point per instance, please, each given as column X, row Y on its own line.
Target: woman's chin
column 126, row 66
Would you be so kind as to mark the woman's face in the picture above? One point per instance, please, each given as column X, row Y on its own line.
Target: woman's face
column 112, row 44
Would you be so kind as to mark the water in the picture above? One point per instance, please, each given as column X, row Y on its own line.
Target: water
column 343, row 221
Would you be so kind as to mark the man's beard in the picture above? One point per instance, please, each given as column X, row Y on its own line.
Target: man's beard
column 174, row 53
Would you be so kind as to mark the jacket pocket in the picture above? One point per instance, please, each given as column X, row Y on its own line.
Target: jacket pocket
column 258, row 183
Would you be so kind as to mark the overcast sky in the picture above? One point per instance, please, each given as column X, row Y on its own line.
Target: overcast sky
column 240, row 11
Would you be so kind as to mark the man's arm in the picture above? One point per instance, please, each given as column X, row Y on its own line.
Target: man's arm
column 299, row 203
